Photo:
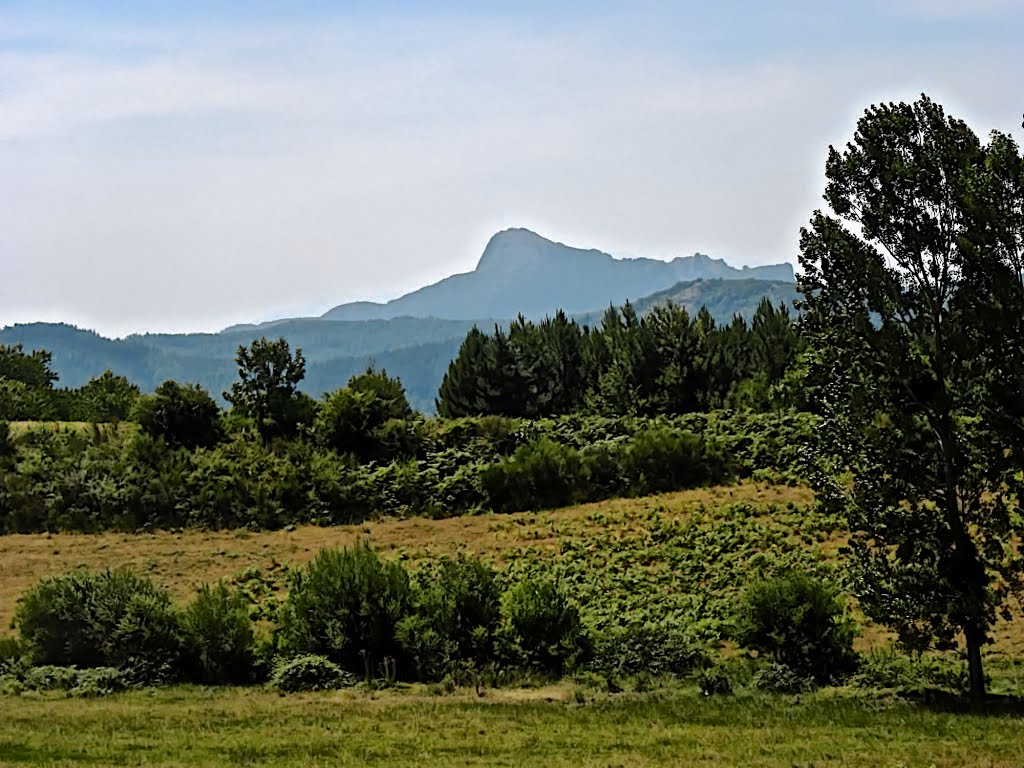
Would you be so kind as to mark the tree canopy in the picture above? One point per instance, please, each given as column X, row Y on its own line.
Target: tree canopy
column 913, row 306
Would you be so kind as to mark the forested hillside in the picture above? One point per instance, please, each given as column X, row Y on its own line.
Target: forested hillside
column 416, row 349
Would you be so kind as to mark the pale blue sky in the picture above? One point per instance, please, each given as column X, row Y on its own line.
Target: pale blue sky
column 187, row 165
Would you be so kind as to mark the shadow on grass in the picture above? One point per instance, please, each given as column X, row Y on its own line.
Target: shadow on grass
column 994, row 705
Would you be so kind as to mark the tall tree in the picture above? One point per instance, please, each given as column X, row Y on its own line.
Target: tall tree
column 912, row 304
column 267, row 390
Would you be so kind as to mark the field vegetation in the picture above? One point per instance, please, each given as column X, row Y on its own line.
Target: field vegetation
column 824, row 507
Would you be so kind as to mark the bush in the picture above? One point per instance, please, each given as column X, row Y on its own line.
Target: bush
column 102, row 619
column 219, row 637
column 96, row 681
column 184, row 415
column 653, row 649
column 781, row 678
column 346, row 605
column 11, row 651
column 542, row 474
column 799, row 622
column 665, row 459
column 366, row 418
column 457, row 611
column 714, row 681
column 309, row 672
column 542, row 627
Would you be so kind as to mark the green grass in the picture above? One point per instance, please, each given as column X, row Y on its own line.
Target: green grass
column 208, row 727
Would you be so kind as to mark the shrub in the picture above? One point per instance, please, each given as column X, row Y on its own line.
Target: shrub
column 309, row 672
column 666, row 459
column 102, row 619
column 184, row 415
column 346, row 606
column 100, row 681
column 11, row 651
column 457, row 610
column 542, row 627
column 353, row 419
column 781, row 678
column 799, row 622
column 218, row 636
column 539, row 475
column 96, row 681
column 646, row 648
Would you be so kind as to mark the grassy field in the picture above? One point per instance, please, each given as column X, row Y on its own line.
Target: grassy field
column 545, row 727
column 685, row 553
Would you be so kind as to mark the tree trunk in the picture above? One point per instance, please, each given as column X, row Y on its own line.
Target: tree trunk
column 975, row 638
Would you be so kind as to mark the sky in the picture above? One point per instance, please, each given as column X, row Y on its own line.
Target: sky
column 185, row 166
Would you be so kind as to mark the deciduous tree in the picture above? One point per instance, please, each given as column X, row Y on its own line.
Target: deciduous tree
column 913, row 306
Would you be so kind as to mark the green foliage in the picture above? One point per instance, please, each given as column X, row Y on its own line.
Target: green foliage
column 90, row 683
column 346, row 605
column 218, row 635
column 781, row 678
column 102, row 619
column 662, row 361
column 104, row 398
column 914, row 311
column 542, row 627
column 366, row 418
column 912, row 673
column 714, row 681
column 457, row 608
column 184, row 415
column 267, row 391
column 30, row 368
column 799, row 622
column 541, row 474
column 647, row 648
column 309, row 672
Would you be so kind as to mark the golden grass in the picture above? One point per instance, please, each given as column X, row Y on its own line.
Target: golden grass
column 183, row 561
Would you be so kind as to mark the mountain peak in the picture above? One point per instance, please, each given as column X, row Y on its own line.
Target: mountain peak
column 517, row 248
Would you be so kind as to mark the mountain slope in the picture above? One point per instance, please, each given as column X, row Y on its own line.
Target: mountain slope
column 522, row 272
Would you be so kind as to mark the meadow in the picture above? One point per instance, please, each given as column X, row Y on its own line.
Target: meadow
column 555, row 726
column 680, row 555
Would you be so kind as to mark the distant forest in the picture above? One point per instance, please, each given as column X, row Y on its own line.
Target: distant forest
column 416, row 350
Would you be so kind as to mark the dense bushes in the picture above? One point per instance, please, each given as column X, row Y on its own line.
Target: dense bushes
column 349, row 615
column 346, row 606
column 352, row 616
column 105, row 480
column 309, row 672
column 219, row 638
column 543, row 627
column 799, row 622
column 106, row 619
column 455, row 617
column 119, row 620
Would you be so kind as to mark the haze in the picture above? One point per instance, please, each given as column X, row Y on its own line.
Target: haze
column 216, row 163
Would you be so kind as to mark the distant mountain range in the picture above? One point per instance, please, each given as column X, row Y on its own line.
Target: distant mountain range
column 415, row 336
column 521, row 272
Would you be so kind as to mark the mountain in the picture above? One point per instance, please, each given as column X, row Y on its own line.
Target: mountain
column 522, row 272
column 416, row 336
